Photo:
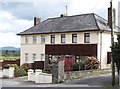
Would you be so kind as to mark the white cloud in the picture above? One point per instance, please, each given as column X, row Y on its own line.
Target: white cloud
column 14, row 16
column 9, row 27
column 9, row 39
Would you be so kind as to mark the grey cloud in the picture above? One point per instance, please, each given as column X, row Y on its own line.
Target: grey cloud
column 27, row 10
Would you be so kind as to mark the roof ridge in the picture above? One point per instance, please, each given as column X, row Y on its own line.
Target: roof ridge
column 96, row 21
column 70, row 16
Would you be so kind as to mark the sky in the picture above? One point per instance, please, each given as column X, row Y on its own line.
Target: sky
column 17, row 15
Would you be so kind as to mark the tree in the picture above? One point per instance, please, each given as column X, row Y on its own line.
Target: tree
column 116, row 54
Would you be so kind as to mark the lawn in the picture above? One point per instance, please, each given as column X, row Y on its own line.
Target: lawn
column 9, row 57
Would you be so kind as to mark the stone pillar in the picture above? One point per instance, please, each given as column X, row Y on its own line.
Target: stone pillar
column 37, row 74
column 61, row 70
column 30, row 71
column 57, row 71
column 46, row 62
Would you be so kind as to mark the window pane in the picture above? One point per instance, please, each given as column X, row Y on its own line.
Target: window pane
column 74, row 38
column 34, row 39
column 26, row 57
column 63, row 38
column 26, row 39
column 43, row 39
column 87, row 37
column 34, row 57
column 52, row 38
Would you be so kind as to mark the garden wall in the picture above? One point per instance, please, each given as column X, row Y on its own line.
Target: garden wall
column 71, row 75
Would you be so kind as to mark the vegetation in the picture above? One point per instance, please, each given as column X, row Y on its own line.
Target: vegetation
column 19, row 71
column 9, row 57
column 89, row 63
column 116, row 53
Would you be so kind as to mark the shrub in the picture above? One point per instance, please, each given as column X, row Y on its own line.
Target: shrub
column 6, row 66
column 75, row 67
column 26, row 66
column 78, row 66
column 91, row 63
column 23, row 72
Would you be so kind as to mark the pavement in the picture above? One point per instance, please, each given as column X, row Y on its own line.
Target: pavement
column 96, row 81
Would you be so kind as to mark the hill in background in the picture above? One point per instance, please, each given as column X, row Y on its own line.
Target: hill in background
column 10, row 51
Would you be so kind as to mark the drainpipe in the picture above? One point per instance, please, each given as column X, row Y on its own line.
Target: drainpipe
column 100, row 48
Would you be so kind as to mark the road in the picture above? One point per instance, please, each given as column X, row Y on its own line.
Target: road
column 90, row 82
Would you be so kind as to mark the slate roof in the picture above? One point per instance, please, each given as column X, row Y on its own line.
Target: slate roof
column 76, row 23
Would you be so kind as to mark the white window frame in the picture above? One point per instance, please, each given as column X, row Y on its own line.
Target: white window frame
column 34, row 39
column 52, row 39
column 34, row 56
column 26, row 39
column 42, row 39
column 63, row 38
column 74, row 38
column 86, row 37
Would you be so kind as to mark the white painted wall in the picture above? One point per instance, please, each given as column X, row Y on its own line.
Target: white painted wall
column 37, row 49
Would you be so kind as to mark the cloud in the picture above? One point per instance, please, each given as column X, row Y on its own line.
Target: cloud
column 9, row 23
column 17, row 15
column 9, row 27
column 9, row 39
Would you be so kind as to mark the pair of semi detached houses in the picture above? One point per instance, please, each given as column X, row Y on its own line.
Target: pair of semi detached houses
column 75, row 36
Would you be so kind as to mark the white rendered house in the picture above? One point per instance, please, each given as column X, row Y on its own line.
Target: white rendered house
column 76, row 36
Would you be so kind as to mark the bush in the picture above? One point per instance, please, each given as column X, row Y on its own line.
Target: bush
column 78, row 66
column 6, row 66
column 26, row 66
column 91, row 63
column 19, row 71
column 75, row 67
column 23, row 72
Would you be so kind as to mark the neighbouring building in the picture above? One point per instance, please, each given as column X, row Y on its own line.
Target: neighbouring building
column 75, row 36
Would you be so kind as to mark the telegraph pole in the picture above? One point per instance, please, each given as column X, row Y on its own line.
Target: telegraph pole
column 112, row 44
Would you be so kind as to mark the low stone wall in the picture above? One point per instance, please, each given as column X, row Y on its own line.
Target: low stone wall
column 9, row 73
column 71, row 75
column 39, row 77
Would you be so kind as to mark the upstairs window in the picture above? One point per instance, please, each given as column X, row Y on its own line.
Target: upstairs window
column 26, row 39
column 34, row 39
column 86, row 37
column 42, row 39
column 63, row 38
column 74, row 38
column 52, row 38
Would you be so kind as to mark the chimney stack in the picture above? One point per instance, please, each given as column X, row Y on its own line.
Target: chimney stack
column 37, row 20
column 109, row 17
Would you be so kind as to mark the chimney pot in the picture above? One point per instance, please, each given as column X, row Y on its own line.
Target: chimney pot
column 37, row 21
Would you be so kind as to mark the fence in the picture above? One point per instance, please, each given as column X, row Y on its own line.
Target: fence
column 5, row 62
